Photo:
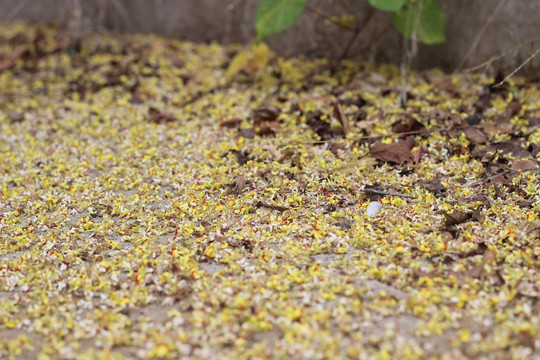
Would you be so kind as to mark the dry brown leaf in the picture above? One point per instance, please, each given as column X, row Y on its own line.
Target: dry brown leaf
column 160, row 117
column 238, row 186
column 491, row 129
column 396, row 152
column 266, row 120
column 506, row 147
column 231, row 123
column 366, row 125
column 406, row 125
column 525, row 164
column 15, row 116
column 342, row 118
column 456, row 218
column 475, row 135
column 418, row 154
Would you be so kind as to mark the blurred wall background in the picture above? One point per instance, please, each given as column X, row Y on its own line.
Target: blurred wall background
column 476, row 31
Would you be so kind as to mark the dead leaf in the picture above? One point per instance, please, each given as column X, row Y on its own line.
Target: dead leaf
column 231, row 123
column 488, row 259
column 525, row 164
column 241, row 156
column 136, row 100
column 482, row 103
column 238, row 185
column 16, row 54
column 475, row 135
column 491, row 129
column 447, row 236
column 267, row 128
column 512, row 109
column 418, row 154
column 480, row 250
column 238, row 62
column 342, row 118
column 506, row 147
column 251, row 59
column 407, row 124
column 456, row 218
column 344, row 223
column 365, row 125
column 318, row 125
column 533, row 229
column 359, row 101
column 435, row 186
column 259, row 60
column 246, row 133
column 266, row 112
column 160, row 117
column 397, row 153
column 265, row 120
column 15, row 116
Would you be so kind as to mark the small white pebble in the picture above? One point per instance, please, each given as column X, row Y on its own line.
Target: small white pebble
column 374, row 208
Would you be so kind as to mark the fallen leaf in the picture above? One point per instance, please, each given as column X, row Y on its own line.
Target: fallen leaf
column 482, row 103
column 512, row 109
column 259, row 59
column 231, row 123
column 475, row 135
column 397, row 153
column 489, row 258
column 318, row 125
column 342, row 118
column 241, row 156
column 480, row 250
column 433, row 186
column 525, row 164
column 506, row 147
column 418, row 154
column 265, row 120
column 160, row 117
column 238, row 185
column 456, row 218
column 16, row 54
column 238, row 62
column 406, row 125
column 15, row 116
column 251, row 59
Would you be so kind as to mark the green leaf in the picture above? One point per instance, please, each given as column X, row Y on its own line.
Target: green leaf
column 425, row 17
column 274, row 16
column 387, row 5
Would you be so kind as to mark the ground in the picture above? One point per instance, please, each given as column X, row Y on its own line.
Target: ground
column 153, row 205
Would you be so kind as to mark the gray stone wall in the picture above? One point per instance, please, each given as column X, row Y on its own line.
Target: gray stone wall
column 476, row 30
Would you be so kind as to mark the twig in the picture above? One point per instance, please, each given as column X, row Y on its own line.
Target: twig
column 476, row 41
column 201, row 94
column 378, row 192
column 121, row 10
column 514, row 49
column 15, row 10
column 357, row 31
column 519, row 67
column 361, row 138
column 373, row 40
column 508, row 172
column 271, row 206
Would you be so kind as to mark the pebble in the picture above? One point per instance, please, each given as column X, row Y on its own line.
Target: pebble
column 374, row 208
